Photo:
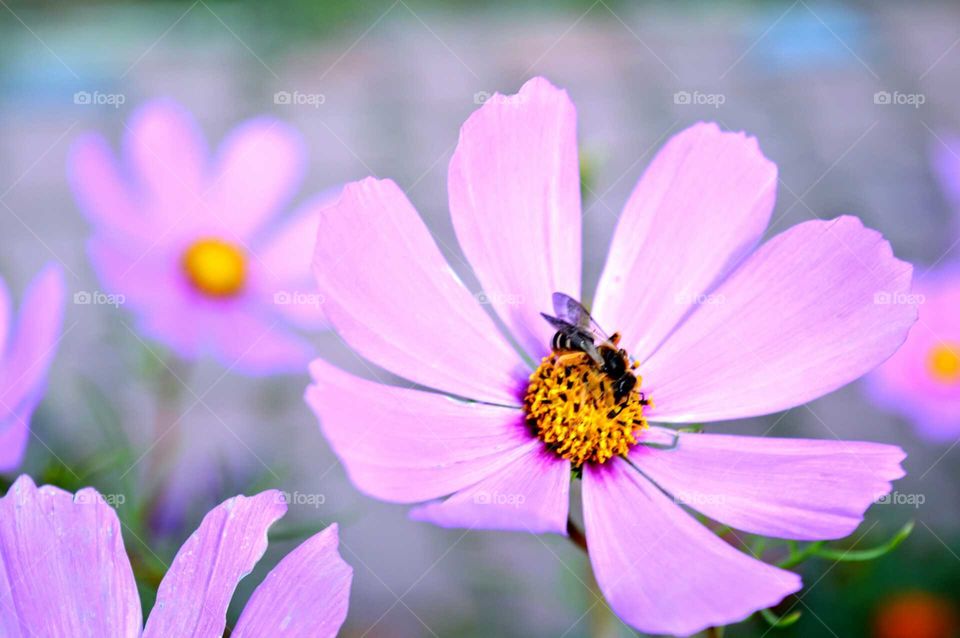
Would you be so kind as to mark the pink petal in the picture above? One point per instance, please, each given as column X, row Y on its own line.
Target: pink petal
column 258, row 169
column 405, row 445
column 946, row 164
column 661, row 571
column 6, row 317
column 26, row 361
column 531, row 494
column 167, row 154
column 514, row 188
column 63, row 569
column 785, row 488
column 285, row 258
column 246, row 341
column 15, row 432
column 904, row 383
column 102, row 193
column 803, row 316
column 305, row 596
column 34, row 342
column 394, row 299
column 196, row 590
column 700, row 207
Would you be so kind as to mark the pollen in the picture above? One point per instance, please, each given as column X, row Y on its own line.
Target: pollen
column 215, row 267
column 943, row 363
column 571, row 407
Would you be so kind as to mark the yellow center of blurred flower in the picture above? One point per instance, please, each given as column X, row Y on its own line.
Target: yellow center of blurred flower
column 943, row 362
column 571, row 406
column 215, row 267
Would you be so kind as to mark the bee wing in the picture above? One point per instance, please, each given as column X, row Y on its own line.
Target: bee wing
column 557, row 323
column 570, row 329
column 572, row 311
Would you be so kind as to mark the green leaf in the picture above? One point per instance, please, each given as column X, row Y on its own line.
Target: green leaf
column 780, row 622
column 854, row 555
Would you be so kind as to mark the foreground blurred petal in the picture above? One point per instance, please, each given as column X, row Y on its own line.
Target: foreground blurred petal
column 63, row 568
column 785, row 488
column 700, row 207
column 811, row 310
column 661, row 571
column 394, row 299
column 304, row 596
column 405, row 445
column 196, row 590
column 514, row 189
column 531, row 494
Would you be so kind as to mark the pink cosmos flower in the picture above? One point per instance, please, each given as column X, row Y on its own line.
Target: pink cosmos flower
column 504, row 427
column 66, row 572
column 921, row 381
column 190, row 241
column 26, row 350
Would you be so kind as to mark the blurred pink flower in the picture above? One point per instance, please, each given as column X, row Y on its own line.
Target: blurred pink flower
column 184, row 237
column 26, row 350
column 921, row 381
column 722, row 329
column 67, row 573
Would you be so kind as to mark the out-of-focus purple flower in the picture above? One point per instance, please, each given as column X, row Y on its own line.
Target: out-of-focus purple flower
column 921, row 381
column 946, row 166
column 191, row 242
column 719, row 328
column 27, row 347
column 66, row 572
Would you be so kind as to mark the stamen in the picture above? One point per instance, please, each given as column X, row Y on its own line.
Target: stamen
column 943, row 363
column 571, row 407
column 215, row 267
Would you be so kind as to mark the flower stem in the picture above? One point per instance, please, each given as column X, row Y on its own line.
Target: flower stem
column 577, row 537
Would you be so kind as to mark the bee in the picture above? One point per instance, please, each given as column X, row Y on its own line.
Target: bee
column 578, row 332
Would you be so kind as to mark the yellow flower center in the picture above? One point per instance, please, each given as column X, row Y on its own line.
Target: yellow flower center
column 943, row 363
column 215, row 267
column 571, row 406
